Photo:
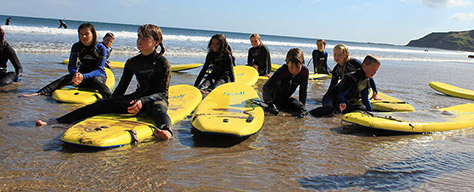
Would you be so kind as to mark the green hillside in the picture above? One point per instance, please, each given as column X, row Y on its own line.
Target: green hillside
column 463, row 41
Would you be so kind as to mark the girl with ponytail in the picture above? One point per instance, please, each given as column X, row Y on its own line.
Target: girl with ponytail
column 152, row 71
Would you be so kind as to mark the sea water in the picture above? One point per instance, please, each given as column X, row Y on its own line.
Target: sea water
column 288, row 154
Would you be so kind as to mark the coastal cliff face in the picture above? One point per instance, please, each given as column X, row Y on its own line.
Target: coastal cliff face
column 463, row 41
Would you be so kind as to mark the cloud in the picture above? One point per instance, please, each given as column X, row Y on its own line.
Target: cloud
column 445, row 3
column 463, row 16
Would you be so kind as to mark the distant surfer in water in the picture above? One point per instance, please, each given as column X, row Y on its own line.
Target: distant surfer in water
column 107, row 42
column 345, row 96
column 62, row 24
column 278, row 89
column 152, row 71
column 220, row 62
column 7, row 22
column 8, row 53
column 259, row 56
column 91, row 72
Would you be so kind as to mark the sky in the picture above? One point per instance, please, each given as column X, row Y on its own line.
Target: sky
column 378, row 21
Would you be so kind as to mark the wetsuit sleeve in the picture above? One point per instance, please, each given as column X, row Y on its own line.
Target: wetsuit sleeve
column 204, row 69
column 267, row 90
column 365, row 98
column 373, row 86
column 335, row 77
column 249, row 58
column 163, row 84
column 315, row 60
column 326, row 68
column 127, row 75
column 304, row 88
column 15, row 62
column 72, row 66
column 269, row 60
column 100, row 63
column 231, row 68
column 344, row 87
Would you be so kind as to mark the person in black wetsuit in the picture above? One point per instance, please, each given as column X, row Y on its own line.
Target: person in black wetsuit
column 220, row 61
column 7, row 22
column 62, row 24
column 346, row 65
column 278, row 89
column 320, row 58
column 8, row 53
column 152, row 71
column 259, row 56
column 91, row 72
column 107, row 42
column 345, row 96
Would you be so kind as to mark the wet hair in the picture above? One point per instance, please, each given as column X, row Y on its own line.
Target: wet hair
column 256, row 35
column 322, row 41
column 295, row 56
column 109, row 35
column 223, row 45
column 91, row 28
column 345, row 50
column 371, row 59
column 153, row 31
column 2, row 39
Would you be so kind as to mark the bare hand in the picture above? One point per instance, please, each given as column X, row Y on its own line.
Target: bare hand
column 255, row 66
column 135, row 107
column 342, row 107
column 162, row 134
column 374, row 97
column 77, row 78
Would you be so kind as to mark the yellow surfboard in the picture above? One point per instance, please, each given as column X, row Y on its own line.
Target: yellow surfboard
column 245, row 74
column 229, row 110
column 444, row 119
column 111, row 130
column 389, row 104
column 452, row 90
column 275, row 67
column 71, row 94
column 311, row 77
column 174, row 67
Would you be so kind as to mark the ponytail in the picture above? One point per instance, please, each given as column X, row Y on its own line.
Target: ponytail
column 163, row 49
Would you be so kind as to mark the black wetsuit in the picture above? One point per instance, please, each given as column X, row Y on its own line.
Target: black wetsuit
column 153, row 73
column 260, row 56
column 353, row 87
column 8, row 53
column 222, row 71
column 7, row 22
column 279, row 88
column 351, row 65
column 91, row 66
column 109, row 52
column 320, row 62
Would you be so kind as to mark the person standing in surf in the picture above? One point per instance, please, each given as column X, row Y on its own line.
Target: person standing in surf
column 107, row 42
column 259, row 56
column 62, row 24
column 91, row 72
column 320, row 58
column 220, row 62
column 278, row 89
column 8, row 53
column 152, row 71
column 353, row 87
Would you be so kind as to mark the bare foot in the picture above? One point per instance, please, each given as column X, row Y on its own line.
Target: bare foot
column 205, row 92
column 162, row 134
column 30, row 95
column 40, row 123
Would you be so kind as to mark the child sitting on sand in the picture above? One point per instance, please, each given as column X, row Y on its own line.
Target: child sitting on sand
column 152, row 71
column 8, row 53
column 91, row 72
column 220, row 62
column 345, row 96
column 278, row 89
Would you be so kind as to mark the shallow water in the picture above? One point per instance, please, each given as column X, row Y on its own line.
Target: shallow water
column 288, row 154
